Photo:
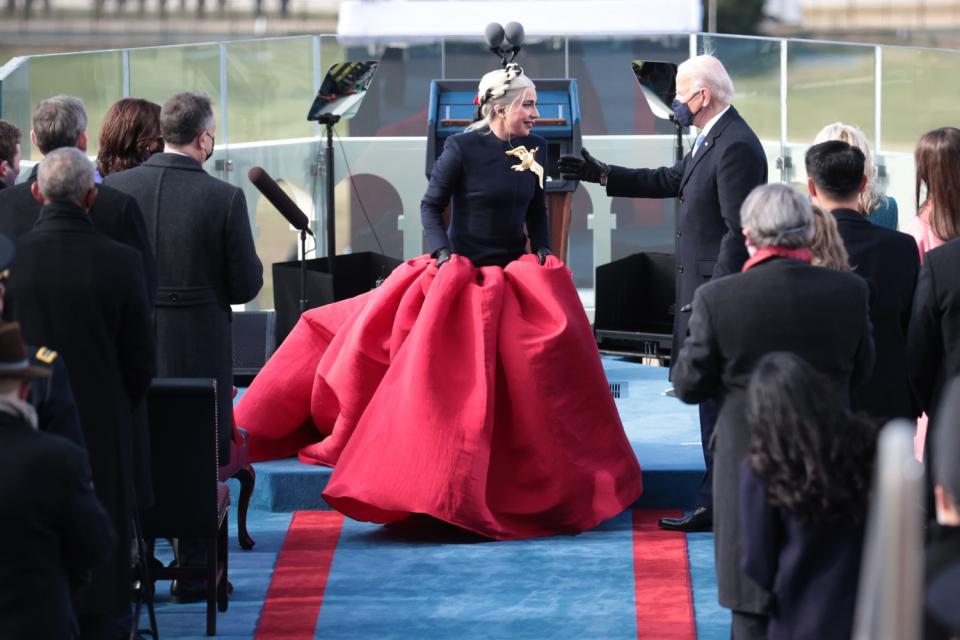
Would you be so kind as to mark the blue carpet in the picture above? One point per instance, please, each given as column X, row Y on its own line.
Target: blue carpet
column 407, row 581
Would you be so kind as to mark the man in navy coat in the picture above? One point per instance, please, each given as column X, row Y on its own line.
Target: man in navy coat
column 710, row 183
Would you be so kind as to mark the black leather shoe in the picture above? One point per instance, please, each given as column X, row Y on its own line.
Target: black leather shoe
column 700, row 519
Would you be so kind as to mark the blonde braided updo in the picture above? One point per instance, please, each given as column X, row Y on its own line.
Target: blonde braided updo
column 499, row 88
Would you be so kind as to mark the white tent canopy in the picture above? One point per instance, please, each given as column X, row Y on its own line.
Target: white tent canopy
column 408, row 19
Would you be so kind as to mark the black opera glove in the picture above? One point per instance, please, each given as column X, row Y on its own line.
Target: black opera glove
column 442, row 255
column 583, row 167
column 542, row 254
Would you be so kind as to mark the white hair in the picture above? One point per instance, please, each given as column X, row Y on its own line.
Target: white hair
column 500, row 88
column 872, row 197
column 707, row 72
column 65, row 175
column 776, row 215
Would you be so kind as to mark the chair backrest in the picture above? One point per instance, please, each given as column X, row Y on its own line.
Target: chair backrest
column 182, row 414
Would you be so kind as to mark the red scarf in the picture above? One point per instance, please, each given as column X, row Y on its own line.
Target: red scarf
column 765, row 253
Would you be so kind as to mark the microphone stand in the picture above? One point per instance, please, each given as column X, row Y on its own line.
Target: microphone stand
column 329, row 120
column 303, row 271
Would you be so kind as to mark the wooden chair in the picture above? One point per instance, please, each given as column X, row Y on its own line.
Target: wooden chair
column 190, row 500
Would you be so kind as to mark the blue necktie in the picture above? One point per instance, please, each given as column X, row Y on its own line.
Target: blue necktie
column 696, row 145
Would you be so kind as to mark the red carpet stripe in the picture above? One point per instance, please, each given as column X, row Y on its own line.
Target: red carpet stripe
column 661, row 573
column 295, row 595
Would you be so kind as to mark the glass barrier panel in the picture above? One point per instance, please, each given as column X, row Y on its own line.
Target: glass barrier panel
column 96, row 78
column 157, row 73
column 470, row 59
column 270, row 87
column 611, row 102
column 396, row 104
column 827, row 82
column 15, row 105
column 754, row 67
column 917, row 95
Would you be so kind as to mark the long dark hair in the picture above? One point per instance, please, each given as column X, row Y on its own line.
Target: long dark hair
column 816, row 456
column 130, row 134
column 937, row 168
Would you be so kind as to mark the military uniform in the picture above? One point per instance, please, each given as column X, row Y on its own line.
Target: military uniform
column 53, row 398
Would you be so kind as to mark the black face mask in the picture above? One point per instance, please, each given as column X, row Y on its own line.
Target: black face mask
column 682, row 112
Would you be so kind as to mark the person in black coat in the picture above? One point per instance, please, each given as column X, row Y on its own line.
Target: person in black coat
column 887, row 259
column 803, row 498
column 710, row 183
column 50, row 395
column 200, row 232
column 933, row 339
column 83, row 295
column 55, row 530
column 780, row 303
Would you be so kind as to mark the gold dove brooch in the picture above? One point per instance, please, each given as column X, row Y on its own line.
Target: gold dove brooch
column 528, row 161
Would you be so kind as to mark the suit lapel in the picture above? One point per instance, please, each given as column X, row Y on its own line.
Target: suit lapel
column 708, row 144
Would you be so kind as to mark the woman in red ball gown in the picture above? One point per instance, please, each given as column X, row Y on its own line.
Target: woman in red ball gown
column 468, row 386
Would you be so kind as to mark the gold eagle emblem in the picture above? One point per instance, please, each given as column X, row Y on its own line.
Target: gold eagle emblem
column 528, row 161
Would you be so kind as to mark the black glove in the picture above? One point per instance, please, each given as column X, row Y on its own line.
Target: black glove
column 542, row 254
column 583, row 167
column 442, row 255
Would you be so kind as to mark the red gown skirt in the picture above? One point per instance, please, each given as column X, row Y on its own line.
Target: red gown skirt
column 473, row 395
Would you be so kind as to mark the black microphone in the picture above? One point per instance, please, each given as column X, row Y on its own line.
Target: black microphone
column 279, row 199
column 494, row 35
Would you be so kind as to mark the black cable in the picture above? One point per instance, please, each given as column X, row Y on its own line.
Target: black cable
column 357, row 193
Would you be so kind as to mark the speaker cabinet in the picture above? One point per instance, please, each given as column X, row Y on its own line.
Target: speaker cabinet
column 635, row 300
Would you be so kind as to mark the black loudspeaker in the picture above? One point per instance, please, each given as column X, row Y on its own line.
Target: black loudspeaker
column 253, row 342
column 356, row 273
column 635, row 304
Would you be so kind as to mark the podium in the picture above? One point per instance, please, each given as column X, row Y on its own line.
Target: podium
column 356, row 273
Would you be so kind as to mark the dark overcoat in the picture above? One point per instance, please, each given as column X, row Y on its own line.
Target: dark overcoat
column 199, row 230
column 710, row 188
column 82, row 294
column 54, row 531
column 811, row 569
column 933, row 342
column 889, row 261
column 114, row 214
column 781, row 304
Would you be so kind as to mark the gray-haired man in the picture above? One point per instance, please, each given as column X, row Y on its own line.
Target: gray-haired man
column 780, row 302
column 83, row 295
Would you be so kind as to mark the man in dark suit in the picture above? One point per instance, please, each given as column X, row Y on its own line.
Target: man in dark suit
column 50, row 395
column 887, row 259
column 710, row 184
column 83, row 295
column 55, row 530
column 58, row 122
column 10, row 137
column 200, row 231
column 780, row 303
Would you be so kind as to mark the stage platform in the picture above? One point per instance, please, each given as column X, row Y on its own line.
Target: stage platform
column 664, row 433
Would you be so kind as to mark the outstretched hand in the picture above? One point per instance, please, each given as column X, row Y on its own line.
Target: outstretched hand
column 583, row 167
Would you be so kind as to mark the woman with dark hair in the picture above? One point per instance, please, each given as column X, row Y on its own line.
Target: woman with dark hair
column 938, row 175
column 468, row 386
column 130, row 134
column 803, row 498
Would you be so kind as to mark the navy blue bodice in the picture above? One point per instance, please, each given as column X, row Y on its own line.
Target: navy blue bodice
column 491, row 202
